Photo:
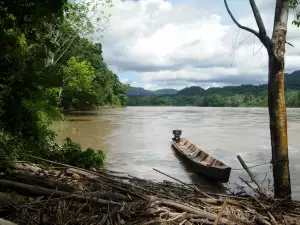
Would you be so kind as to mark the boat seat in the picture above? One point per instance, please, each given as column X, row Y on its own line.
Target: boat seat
column 205, row 163
column 183, row 143
column 202, row 155
column 208, row 160
column 194, row 154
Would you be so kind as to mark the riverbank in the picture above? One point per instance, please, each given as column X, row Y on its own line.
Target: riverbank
column 83, row 110
column 46, row 192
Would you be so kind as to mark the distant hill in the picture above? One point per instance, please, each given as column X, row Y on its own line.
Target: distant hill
column 292, row 82
column 229, row 96
column 165, row 92
column 136, row 91
column 189, row 91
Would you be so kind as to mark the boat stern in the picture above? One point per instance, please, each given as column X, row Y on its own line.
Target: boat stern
column 177, row 134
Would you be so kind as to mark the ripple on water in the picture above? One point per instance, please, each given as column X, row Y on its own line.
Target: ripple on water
column 137, row 139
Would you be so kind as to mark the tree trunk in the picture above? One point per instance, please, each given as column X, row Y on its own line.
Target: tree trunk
column 276, row 102
column 278, row 129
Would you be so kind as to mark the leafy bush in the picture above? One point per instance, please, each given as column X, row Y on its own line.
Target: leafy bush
column 10, row 147
column 13, row 148
column 71, row 153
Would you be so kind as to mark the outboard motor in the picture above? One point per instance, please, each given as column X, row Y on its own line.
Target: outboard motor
column 176, row 134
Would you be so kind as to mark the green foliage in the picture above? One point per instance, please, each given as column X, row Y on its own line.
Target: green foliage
column 72, row 154
column 105, row 88
column 10, row 148
column 14, row 147
column 294, row 5
column 87, row 82
column 228, row 96
column 46, row 65
column 194, row 90
column 76, row 19
column 214, row 100
column 78, row 76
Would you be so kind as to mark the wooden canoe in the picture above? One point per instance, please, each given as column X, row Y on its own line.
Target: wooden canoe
column 201, row 162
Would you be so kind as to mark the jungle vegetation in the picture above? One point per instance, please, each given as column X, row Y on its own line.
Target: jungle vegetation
column 50, row 66
column 228, row 96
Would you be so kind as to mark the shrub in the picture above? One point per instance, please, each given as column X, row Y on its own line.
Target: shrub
column 12, row 148
column 71, row 153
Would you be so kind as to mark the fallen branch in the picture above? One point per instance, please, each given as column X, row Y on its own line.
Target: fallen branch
column 95, row 177
column 39, row 181
column 289, row 44
column 40, row 191
column 108, row 194
column 260, row 188
column 192, row 187
column 84, row 172
column 23, row 166
column 249, row 185
column 128, row 200
column 192, row 210
column 220, row 213
column 269, row 214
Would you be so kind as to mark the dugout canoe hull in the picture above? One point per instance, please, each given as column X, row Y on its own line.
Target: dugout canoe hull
column 201, row 162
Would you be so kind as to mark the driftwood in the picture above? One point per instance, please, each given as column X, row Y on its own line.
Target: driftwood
column 108, row 195
column 5, row 222
column 190, row 186
column 220, row 213
column 25, row 166
column 260, row 188
column 40, row 191
column 39, row 181
column 7, row 197
column 192, row 210
column 97, row 177
column 31, row 190
column 103, row 198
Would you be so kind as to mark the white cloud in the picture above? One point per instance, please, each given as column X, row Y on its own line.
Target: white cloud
column 172, row 45
column 125, row 81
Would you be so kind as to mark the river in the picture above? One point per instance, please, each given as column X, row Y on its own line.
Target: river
column 137, row 139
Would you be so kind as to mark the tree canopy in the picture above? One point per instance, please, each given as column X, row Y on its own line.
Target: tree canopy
column 48, row 66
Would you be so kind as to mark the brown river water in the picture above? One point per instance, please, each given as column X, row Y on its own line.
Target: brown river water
column 137, row 139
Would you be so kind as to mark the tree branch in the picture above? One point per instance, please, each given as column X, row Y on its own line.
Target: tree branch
column 238, row 24
column 289, row 44
column 65, row 50
column 258, row 19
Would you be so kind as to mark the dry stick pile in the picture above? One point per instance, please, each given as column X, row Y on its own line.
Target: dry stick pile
column 71, row 195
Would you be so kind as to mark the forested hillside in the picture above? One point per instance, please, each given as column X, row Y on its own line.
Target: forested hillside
column 143, row 92
column 234, row 96
column 48, row 67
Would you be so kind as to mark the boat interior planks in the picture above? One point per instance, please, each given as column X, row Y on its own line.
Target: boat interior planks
column 201, row 161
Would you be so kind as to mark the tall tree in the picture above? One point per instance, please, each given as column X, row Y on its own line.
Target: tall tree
column 23, row 29
column 81, row 19
column 276, row 101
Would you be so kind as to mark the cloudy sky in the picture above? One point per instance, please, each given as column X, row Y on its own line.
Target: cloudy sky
column 177, row 43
